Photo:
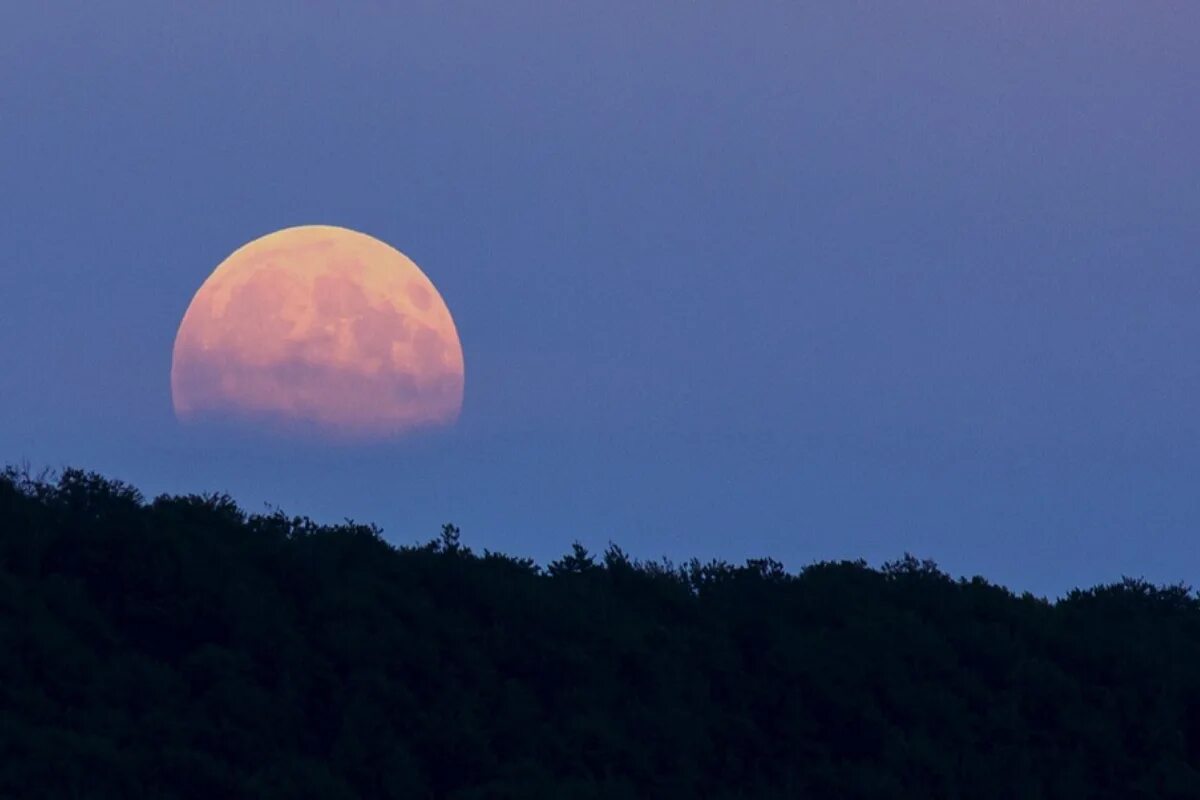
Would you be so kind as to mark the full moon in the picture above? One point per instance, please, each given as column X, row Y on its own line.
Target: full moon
column 319, row 328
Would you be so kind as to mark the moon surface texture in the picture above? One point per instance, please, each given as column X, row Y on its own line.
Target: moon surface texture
column 319, row 328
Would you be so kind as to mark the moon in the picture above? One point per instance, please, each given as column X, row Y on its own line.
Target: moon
column 319, row 328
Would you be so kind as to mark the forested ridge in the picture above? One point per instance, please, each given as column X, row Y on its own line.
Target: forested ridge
column 182, row 648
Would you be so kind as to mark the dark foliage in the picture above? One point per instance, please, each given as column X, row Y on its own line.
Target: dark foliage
column 181, row 648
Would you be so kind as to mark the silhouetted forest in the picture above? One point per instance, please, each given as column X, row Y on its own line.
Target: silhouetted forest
column 184, row 648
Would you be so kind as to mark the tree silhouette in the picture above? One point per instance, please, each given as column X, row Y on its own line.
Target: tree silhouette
column 181, row 648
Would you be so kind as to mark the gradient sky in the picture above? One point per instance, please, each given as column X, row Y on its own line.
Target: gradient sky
column 810, row 280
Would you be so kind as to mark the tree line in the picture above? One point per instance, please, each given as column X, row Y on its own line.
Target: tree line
column 180, row 647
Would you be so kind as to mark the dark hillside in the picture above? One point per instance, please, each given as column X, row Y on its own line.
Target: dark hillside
column 182, row 648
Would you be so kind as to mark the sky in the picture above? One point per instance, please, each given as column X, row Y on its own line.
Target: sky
column 807, row 280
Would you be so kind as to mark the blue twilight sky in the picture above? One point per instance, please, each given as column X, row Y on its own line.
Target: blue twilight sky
column 810, row 280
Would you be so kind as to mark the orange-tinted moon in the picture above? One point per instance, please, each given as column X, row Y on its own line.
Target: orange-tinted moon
column 322, row 328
